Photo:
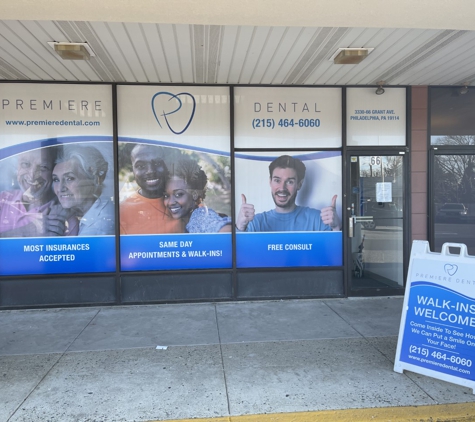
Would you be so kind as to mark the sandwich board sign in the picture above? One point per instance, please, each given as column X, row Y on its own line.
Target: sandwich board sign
column 437, row 330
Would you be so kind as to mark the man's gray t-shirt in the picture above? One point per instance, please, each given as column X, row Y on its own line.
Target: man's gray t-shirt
column 301, row 219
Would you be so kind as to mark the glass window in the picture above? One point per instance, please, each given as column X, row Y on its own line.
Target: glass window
column 174, row 177
column 454, row 200
column 57, row 212
column 288, row 208
column 452, row 133
column 375, row 119
column 452, row 116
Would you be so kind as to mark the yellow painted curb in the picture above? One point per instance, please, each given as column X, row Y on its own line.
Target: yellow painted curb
column 461, row 412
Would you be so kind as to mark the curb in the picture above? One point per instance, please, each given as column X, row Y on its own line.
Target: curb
column 461, row 412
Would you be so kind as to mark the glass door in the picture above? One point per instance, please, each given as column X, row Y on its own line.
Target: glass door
column 375, row 212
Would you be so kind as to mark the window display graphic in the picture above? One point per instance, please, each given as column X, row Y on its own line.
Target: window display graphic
column 174, row 178
column 56, row 190
column 376, row 119
column 272, row 117
column 288, row 209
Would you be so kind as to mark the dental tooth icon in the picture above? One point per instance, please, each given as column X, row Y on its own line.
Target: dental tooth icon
column 165, row 104
column 450, row 269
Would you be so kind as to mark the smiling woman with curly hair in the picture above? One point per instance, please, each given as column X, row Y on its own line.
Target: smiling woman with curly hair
column 184, row 194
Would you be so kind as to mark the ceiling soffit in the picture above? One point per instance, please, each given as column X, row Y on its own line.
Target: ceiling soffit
column 219, row 54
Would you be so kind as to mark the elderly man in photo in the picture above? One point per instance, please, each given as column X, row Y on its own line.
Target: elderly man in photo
column 286, row 179
column 144, row 211
column 33, row 210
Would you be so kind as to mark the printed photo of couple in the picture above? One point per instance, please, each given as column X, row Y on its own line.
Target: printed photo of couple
column 62, row 190
column 170, row 190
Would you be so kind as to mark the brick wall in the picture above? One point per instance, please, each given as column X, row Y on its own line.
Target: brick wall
column 419, row 159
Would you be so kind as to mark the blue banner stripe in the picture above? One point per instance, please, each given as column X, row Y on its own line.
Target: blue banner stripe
column 304, row 157
column 173, row 145
column 416, row 284
column 57, row 255
column 289, row 249
column 41, row 143
column 175, row 251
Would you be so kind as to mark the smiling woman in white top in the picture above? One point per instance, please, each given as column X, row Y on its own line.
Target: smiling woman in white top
column 78, row 178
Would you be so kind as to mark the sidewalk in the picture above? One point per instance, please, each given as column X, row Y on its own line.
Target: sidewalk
column 234, row 361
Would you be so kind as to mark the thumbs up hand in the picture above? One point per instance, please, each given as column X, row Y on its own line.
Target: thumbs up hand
column 245, row 215
column 330, row 217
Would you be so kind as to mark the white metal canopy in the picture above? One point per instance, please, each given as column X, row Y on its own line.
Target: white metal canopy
column 230, row 42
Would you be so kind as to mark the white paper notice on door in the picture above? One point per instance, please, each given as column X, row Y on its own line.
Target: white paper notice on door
column 384, row 192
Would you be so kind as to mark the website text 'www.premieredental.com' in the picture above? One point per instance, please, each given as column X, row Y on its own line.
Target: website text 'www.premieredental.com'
column 441, row 364
column 52, row 122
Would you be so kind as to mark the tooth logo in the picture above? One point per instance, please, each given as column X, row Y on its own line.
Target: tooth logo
column 172, row 110
column 450, row 269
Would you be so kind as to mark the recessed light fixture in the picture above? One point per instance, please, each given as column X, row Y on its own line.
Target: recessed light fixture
column 350, row 55
column 72, row 50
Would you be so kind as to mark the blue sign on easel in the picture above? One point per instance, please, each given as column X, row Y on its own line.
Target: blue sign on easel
column 437, row 331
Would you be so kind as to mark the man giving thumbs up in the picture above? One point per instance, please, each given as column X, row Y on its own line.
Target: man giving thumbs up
column 286, row 178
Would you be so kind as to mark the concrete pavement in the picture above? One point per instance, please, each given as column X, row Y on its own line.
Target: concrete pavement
column 299, row 360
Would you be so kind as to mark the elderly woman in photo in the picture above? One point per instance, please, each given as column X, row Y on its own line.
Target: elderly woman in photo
column 78, row 178
column 184, row 194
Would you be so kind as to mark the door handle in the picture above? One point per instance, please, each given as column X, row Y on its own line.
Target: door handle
column 351, row 226
column 363, row 219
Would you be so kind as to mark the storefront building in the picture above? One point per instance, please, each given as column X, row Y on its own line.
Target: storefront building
column 134, row 193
